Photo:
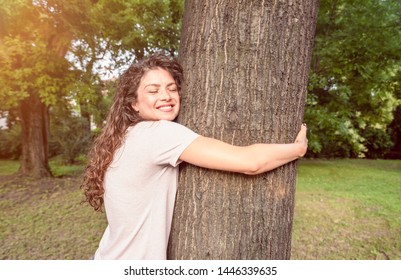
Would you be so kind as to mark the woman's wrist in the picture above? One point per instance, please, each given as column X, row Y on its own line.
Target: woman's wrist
column 302, row 148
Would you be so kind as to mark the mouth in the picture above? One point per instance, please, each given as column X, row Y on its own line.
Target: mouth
column 165, row 108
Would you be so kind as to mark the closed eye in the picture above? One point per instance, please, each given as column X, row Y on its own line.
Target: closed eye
column 153, row 90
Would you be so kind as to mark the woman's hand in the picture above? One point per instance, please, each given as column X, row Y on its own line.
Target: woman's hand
column 302, row 140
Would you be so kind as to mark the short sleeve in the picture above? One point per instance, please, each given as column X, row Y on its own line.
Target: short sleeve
column 170, row 139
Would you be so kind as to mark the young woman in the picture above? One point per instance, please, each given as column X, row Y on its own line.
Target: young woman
column 133, row 164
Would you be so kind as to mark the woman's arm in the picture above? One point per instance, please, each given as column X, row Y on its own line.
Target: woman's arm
column 254, row 159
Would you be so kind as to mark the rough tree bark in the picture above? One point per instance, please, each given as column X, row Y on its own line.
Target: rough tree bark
column 246, row 66
column 34, row 117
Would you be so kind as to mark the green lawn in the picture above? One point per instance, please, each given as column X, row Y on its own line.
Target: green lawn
column 8, row 167
column 44, row 219
column 348, row 209
column 345, row 209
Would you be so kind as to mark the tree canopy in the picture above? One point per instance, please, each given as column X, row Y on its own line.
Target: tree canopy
column 354, row 82
column 31, row 54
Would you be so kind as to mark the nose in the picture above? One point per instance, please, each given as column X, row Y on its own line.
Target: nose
column 165, row 95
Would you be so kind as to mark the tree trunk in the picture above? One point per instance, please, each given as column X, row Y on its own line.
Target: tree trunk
column 246, row 65
column 34, row 132
column 395, row 128
column 86, row 116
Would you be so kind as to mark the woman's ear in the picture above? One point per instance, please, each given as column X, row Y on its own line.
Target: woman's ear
column 135, row 106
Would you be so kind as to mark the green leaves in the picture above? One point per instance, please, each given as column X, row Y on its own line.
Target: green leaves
column 29, row 58
column 356, row 51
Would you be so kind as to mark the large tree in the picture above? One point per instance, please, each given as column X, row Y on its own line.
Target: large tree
column 33, row 74
column 246, row 66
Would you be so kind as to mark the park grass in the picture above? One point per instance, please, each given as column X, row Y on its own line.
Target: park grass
column 44, row 219
column 8, row 167
column 345, row 209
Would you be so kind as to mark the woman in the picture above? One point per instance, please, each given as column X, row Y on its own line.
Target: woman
column 133, row 165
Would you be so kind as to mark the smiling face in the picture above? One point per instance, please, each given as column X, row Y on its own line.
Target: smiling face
column 158, row 97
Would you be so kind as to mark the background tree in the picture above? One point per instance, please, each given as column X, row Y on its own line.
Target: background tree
column 355, row 69
column 33, row 72
column 246, row 66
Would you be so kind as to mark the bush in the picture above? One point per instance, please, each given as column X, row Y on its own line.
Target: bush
column 378, row 142
column 69, row 139
column 10, row 142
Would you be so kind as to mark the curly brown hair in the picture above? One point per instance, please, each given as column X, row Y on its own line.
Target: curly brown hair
column 121, row 116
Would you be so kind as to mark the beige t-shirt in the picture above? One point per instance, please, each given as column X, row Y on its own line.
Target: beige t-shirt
column 140, row 189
